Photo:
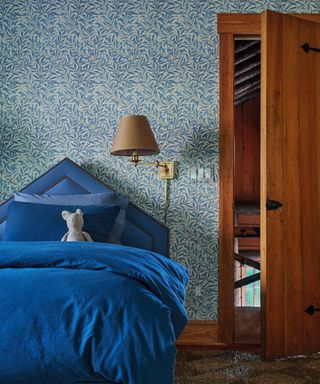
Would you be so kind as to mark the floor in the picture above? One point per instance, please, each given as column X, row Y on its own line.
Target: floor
column 228, row 367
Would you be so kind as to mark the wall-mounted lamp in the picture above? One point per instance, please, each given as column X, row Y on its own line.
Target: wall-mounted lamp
column 135, row 138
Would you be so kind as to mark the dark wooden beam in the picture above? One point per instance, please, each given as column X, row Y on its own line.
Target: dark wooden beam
column 252, row 86
column 246, row 55
column 245, row 260
column 247, row 66
column 246, row 94
column 246, row 280
column 242, row 45
column 247, row 76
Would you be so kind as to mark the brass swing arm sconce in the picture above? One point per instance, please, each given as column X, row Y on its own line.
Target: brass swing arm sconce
column 135, row 138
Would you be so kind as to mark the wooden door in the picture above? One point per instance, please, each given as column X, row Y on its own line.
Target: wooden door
column 290, row 174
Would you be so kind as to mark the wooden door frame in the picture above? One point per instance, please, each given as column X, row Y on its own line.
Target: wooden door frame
column 229, row 26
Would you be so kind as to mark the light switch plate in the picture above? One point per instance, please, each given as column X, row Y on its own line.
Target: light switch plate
column 199, row 173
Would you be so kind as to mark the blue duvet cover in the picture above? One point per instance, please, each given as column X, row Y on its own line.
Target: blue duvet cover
column 88, row 313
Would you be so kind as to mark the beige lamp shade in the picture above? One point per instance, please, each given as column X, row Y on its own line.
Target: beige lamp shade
column 134, row 136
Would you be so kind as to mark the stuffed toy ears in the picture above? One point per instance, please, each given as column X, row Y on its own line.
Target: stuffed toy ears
column 65, row 214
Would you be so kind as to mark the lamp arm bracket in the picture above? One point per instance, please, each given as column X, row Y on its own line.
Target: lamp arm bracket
column 166, row 168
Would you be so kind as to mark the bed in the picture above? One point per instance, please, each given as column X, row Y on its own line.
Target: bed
column 88, row 312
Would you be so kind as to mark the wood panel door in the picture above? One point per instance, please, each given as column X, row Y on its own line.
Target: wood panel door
column 290, row 174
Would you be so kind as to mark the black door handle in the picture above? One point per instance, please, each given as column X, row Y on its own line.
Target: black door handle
column 273, row 204
column 311, row 310
column 306, row 47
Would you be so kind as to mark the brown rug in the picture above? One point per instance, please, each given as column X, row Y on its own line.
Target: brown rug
column 227, row 367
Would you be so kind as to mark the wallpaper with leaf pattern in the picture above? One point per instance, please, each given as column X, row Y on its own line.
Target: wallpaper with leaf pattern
column 70, row 69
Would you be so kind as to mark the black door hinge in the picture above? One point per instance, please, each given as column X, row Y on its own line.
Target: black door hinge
column 273, row 204
column 306, row 47
column 311, row 310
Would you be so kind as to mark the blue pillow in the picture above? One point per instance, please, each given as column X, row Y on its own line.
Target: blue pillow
column 43, row 222
column 105, row 198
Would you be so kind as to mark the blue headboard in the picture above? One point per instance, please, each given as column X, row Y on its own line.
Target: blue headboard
column 68, row 178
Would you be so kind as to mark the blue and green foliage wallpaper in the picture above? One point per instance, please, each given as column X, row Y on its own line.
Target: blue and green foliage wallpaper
column 70, row 69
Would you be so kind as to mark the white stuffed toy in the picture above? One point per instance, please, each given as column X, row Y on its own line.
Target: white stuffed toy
column 75, row 224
